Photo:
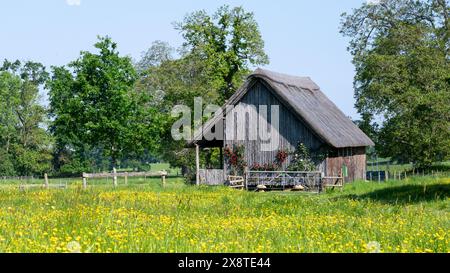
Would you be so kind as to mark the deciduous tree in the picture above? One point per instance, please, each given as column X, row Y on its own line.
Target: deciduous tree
column 24, row 143
column 400, row 50
column 95, row 106
column 229, row 42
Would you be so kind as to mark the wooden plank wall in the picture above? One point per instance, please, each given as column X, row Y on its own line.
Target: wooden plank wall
column 353, row 158
column 290, row 132
column 211, row 177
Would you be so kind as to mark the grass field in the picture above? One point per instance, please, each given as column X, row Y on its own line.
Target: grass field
column 408, row 216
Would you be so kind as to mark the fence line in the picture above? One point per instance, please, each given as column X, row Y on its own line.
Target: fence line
column 35, row 181
column 17, row 177
column 114, row 175
column 400, row 175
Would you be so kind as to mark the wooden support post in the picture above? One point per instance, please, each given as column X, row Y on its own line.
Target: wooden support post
column 163, row 178
column 246, row 173
column 46, row 180
column 322, row 176
column 197, row 164
column 84, row 181
column 114, row 177
column 221, row 157
column 126, row 178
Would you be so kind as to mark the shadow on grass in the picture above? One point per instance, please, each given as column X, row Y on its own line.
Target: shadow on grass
column 406, row 194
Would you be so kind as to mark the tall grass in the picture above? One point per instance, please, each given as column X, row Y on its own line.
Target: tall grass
column 407, row 216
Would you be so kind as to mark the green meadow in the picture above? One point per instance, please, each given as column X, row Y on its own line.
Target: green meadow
column 398, row 216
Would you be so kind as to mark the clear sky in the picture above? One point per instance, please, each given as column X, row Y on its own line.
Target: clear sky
column 301, row 36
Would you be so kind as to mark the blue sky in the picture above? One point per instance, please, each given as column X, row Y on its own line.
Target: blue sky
column 301, row 36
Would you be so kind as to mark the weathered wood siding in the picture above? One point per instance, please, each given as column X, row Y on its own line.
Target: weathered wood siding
column 211, row 177
column 353, row 158
column 291, row 130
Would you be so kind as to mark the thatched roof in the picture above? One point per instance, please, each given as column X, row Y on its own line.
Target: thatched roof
column 304, row 97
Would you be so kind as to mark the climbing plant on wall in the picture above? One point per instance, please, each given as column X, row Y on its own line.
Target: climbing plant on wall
column 235, row 158
column 301, row 159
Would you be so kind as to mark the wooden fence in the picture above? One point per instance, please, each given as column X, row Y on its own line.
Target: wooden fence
column 311, row 181
column 308, row 181
column 212, row 177
column 114, row 175
column 400, row 175
column 17, row 177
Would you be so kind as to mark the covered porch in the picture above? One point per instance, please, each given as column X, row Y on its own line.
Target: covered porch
column 209, row 174
column 314, row 181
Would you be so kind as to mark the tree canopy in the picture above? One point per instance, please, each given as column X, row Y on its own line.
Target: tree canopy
column 217, row 54
column 228, row 42
column 400, row 50
column 94, row 105
column 24, row 144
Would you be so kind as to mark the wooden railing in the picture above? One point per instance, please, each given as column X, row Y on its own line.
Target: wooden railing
column 311, row 181
column 237, row 182
column 114, row 175
column 333, row 182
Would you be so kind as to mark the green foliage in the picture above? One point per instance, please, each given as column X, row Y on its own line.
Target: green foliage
column 301, row 160
column 235, row 157
column 94, row 106
column 229, row 42
column 217, row 53
column 24, row 143
column 6, row 164
column 401, row 54
column 170, row 83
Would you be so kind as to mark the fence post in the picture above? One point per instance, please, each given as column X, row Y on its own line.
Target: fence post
column 46, row 181
column 114, row 177
column 322, row 175
column 246, row 173
column 197, row 164
column 163, row 178
column 126, row 178
column 84, row 181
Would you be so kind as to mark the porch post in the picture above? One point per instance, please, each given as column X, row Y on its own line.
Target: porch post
column 197, row 164
column 221, row 157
